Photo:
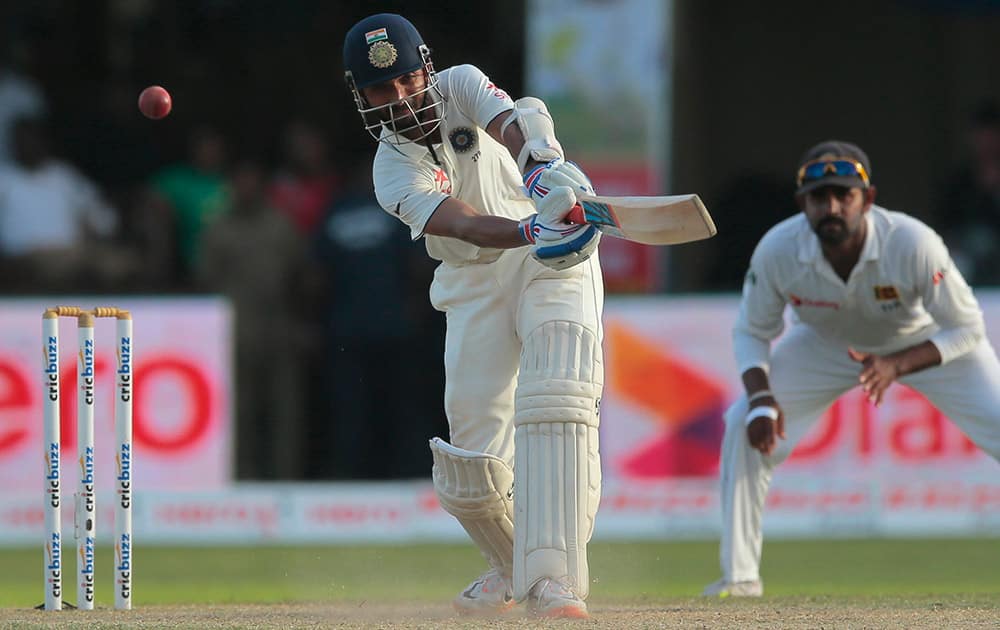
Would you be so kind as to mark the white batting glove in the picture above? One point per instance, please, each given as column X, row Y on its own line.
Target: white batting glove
column 553, row 188
column 546, row 178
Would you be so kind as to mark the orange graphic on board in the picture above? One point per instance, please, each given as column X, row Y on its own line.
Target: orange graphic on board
column 686, row 404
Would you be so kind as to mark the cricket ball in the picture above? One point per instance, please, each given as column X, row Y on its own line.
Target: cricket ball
column 155, row 102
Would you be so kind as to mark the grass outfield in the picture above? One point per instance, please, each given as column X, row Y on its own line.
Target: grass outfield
column 843, row 575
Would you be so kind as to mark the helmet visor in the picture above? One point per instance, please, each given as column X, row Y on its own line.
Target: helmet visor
column 408, row 119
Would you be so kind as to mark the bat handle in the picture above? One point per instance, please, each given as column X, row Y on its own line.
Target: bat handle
column 576, row 215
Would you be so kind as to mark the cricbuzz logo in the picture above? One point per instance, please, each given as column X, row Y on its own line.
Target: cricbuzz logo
column 51, row 359
column 87, row 568
column 53, row 565
column 123, row 565
column 52, row 474
column 87, row 478
column 87, row 371
column 124, row 461
column 125, row 369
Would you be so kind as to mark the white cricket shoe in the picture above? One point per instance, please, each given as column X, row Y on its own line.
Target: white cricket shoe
column 488, row 594
column 721, row 588
column 551, row 598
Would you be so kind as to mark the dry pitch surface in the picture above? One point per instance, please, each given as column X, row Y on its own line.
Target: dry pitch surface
column 778, row 612
column 937, row 584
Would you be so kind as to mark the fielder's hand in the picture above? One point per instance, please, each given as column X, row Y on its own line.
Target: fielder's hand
column 553, row 188
column 877, row 374
column 763, row 431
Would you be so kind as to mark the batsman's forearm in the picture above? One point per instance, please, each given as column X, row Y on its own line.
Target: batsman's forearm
column 496, row 232
column 457, row 219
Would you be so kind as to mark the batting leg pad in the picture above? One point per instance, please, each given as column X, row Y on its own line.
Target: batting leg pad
column 558, row 484
column 478, row 490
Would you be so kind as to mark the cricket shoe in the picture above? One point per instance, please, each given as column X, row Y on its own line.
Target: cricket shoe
column 722, row 589
column 489, row 594
column 553, row 599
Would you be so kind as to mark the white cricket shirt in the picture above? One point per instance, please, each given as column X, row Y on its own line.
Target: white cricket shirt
column 52, row 206
column 474, row 167
column 904, row 290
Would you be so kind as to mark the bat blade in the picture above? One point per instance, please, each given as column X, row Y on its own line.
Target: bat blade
column 668, row 220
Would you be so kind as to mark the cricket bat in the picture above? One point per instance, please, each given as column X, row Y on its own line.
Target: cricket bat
column 666, row 220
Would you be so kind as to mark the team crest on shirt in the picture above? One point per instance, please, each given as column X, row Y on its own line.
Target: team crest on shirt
column 462, row 139
column 888, row 298
column 382, row 54
column 886, row 293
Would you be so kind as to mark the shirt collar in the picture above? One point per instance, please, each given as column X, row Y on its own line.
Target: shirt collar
column 412, row 150
column 810, row 250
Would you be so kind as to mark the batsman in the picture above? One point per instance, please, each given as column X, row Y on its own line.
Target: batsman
column 484, row 181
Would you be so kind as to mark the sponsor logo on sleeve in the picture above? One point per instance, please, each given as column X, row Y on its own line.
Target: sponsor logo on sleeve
column 497, row 92
column 441, row 181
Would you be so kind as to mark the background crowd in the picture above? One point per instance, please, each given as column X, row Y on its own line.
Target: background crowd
column 257, row 187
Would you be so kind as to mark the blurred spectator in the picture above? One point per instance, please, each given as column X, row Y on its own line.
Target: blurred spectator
column 968, row 215
column 252, row 254
column 306, row 180
column 111, row 141
column 377, row 366
column 54, row 223
column 20, row 97
column 185, row 198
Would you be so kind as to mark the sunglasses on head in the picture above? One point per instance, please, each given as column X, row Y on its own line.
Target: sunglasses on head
column 832, row 167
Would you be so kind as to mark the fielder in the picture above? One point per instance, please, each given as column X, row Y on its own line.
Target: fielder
column 875, row 299
column 523, row 296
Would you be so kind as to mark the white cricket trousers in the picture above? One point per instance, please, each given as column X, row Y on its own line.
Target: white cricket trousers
column 490, row 308
column 807, row 374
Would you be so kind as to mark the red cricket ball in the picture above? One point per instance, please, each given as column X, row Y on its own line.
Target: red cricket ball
column 155, row 102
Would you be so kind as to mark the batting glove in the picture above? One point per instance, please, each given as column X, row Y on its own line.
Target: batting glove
column 553, row 188
column 545, row 178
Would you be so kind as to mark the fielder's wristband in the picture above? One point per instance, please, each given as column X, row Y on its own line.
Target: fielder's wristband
column 527, row 227
column 764, row 411
column 764, row 393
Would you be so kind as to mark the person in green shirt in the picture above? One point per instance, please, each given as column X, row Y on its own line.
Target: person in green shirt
column 192, row 194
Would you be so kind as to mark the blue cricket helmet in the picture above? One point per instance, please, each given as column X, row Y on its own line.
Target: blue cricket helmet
column 380, row 48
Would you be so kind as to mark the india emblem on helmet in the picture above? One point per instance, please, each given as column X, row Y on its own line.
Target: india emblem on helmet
column 382, row 54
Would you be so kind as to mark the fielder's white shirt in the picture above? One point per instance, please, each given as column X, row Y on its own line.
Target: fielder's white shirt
column 474, row 167
column 904, row 290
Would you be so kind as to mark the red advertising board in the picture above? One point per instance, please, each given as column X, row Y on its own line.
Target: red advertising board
column 182, row 429
column 893, row 469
